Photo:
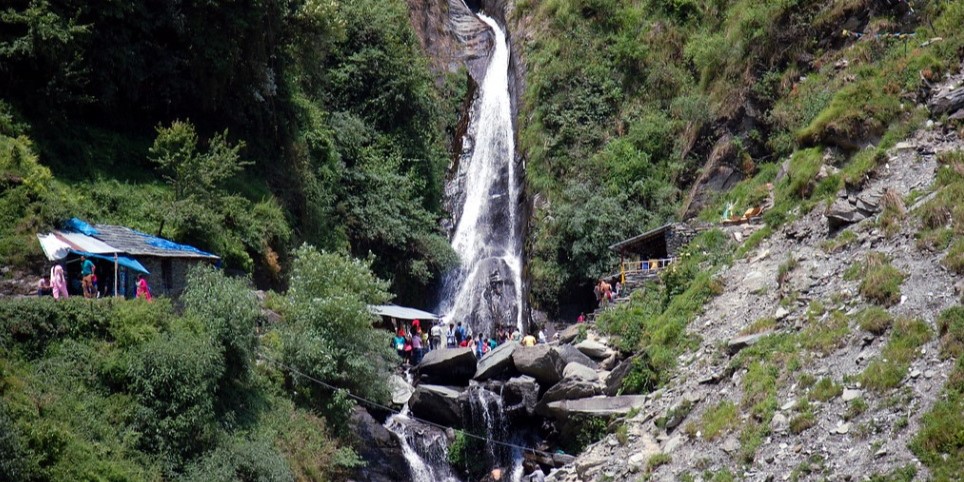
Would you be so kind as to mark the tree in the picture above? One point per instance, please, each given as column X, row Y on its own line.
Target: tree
column 328, row 333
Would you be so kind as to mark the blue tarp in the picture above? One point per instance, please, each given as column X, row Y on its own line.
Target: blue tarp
column 74, row 224
column 170, row 245
column 121, row 260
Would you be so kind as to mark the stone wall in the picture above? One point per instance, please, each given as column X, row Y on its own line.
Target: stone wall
column 677, row 236
column 168, row 275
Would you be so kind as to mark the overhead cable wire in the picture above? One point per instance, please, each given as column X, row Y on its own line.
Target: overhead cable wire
column 397, row 412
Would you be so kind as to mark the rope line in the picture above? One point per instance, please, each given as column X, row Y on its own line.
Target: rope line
column 397, row 412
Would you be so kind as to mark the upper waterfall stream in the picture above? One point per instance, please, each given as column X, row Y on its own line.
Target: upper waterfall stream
column 485, row 292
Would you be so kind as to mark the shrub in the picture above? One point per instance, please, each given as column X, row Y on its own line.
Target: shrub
column 174, row 379
column 240, row 459
column 31, row 324
column 874, row 319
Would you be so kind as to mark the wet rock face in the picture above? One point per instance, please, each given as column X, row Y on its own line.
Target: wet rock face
column 438, row 404
column 448, row 366
column 377, row 443
column 451, row 36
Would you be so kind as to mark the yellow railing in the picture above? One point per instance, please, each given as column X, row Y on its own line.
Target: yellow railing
column 643, row 267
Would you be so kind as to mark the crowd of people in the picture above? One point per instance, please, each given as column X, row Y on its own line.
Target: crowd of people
column 86, row 283
column 412, row 342
column 606, row 293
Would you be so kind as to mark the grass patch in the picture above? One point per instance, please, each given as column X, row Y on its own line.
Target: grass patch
column 824, row 334
column 887, row 370
column 825, row 390
column 875, row 320
column 839, row 242
column 802, row 421
column 894, row 213
column 753, row 241
column 785, row 268
column 880, row 281
column 950, row 328
column 954, row 261
column 759, row 326
column 856, row 408
column 719, row 420
column 657, row 460
column 940, row 442
column 937, row 239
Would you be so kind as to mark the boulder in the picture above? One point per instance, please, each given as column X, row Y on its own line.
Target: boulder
column 401, row 390
column 567, row 389
column 609, row 363
column 842, row 213
column 521, row 393
column 615, row 380
column 594, row 349
column 437, row 403
column 596, row 406
column 541, row 362
column 454, row 366
column 378, row 446
column 570, row 333
column 582, row 372
column 736, row 344
column 570, row 354
column 496, row 361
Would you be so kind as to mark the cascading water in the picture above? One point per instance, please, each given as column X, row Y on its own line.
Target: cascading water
column 485, row 292
column 424, row 448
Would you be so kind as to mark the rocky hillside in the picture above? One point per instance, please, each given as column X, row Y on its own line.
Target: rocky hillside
column 832, row 351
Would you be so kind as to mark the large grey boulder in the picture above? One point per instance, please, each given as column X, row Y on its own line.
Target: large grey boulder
column 496, row 361
column 376, row 443
column 582, row 372
column 568, row 389
column 521, row 393
column 736, row 344
column 401, row 390
column 596, row 406
column 594, row 349
column 570, row 354
column 437, row 403
column 614, row 382
column 448, row 366
column 570, row 333
column 541, row 362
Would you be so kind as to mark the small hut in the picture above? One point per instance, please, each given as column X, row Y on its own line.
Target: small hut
column 646, row 254
column 120, row 253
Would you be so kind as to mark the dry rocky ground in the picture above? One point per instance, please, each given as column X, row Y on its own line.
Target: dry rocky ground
column 847, row 431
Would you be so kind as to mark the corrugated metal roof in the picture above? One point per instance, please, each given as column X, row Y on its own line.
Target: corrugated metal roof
column 642, row 237
column 140, row 244
column 57, row 244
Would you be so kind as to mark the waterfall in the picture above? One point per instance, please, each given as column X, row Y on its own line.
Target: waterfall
column 425, row 449
column 485, row 292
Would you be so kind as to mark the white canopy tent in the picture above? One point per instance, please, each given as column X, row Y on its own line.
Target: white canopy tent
column 402, row 312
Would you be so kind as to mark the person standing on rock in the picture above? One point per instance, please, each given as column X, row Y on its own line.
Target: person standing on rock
column 436, row 341
column 416, row 353
column 581, row 318
column 459, row 333
column 399, row 343
column 450, row 339
column 529, row 340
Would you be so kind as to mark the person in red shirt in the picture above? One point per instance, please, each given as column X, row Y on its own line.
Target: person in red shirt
column 466, row 341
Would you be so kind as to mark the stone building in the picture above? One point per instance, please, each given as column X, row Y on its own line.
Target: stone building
column 646, row 254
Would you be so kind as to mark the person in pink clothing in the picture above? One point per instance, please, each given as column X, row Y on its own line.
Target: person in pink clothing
column 142, row 290
column 57, row 282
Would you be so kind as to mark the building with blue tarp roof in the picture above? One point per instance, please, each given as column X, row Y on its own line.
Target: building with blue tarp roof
column 121, row 253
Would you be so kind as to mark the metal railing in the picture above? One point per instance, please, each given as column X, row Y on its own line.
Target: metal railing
column 644, row 267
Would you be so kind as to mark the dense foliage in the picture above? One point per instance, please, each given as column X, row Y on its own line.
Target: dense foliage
column 129, row 390
column 273, row 123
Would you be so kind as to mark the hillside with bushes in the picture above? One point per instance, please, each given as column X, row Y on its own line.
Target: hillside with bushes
column 131, row 113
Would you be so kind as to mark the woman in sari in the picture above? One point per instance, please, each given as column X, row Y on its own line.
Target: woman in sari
column 57, row 282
